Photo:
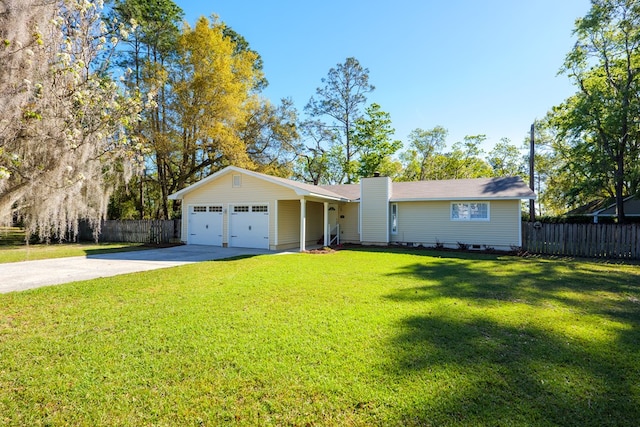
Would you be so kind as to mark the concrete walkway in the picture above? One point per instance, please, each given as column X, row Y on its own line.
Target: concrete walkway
column 19, row 276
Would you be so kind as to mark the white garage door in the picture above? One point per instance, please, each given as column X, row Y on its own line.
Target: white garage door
column 205, row 225
column 249, row 226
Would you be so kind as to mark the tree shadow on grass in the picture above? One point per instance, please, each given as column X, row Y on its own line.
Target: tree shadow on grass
column 578, row 285
column 479, row 370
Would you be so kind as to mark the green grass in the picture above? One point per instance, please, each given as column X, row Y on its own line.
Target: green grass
column 14, row 249
column 356, row 337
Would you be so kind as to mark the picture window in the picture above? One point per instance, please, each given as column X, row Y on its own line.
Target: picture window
column 474, row 211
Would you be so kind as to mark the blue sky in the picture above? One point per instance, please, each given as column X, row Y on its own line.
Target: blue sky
column 475, row 67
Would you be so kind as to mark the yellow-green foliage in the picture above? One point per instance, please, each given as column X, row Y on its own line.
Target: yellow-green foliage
column 215, row 95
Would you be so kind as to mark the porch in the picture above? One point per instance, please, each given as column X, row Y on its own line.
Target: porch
column 306, row 222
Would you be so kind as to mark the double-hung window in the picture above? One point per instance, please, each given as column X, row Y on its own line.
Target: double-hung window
column 470, row 211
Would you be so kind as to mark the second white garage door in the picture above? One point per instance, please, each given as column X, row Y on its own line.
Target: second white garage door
column 249, row 226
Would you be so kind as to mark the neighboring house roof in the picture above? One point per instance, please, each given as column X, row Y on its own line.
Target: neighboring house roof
column 631, row 208
column 591, row 207
column 607, row 207
column 508, row 188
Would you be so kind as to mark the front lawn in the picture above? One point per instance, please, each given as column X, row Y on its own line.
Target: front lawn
column 356, row 337
column 14, row 249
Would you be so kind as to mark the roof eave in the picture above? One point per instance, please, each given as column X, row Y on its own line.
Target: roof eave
column 450, row 199
column 324, row 196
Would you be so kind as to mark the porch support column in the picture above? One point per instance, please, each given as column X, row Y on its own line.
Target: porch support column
column 303, row 224
column 327, row 230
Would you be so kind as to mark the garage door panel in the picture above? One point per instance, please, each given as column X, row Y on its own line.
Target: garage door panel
column 205, row 225
column 249, row 226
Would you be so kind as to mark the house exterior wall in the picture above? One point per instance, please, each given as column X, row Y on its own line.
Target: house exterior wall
column 315, row 220
column 429, row 223
column 251, row 190
column 348, row 216
column 288, row 224
column 374, row 210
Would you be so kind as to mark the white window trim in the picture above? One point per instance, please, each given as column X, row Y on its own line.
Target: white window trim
column 207, row 208
column 394, row 205
column 487, row 219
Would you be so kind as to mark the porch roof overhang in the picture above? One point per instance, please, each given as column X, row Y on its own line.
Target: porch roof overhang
column 324, row 197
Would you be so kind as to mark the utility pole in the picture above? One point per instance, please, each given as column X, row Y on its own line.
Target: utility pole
column 532, row 203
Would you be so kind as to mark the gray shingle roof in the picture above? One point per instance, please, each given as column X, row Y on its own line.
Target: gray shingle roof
column 458, row 189
column 463, row 189
column 453, row 189
column 349, row 191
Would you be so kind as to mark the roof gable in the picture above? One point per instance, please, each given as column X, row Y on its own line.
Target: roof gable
column 299, row 187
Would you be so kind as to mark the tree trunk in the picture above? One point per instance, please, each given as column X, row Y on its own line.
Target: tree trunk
column 348, row 141
column 619, row 184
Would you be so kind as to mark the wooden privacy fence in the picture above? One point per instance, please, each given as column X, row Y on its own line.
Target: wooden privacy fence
column 135, row 231
column 582, row 240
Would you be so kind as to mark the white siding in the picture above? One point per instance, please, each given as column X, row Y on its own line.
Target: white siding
column 221, row 191
column 375, row 193
column 430, row 222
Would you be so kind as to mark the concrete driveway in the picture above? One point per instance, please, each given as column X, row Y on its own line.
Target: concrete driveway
column 19, row 276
